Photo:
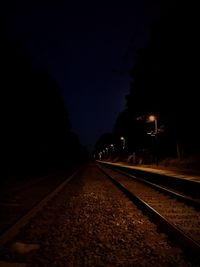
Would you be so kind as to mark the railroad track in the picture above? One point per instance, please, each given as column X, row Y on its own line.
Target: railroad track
column 19, row 196
column 188, row 187
column 18, row 222
column 97, row 214
column 175, row 214
column 167, row 187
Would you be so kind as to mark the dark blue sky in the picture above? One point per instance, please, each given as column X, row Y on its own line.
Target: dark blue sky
column 82, row 45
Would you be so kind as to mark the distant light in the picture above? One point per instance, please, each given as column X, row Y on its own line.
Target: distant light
column 152, row 118
column 123, row 139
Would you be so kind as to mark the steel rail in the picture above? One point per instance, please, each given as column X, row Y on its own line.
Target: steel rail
column 189, row 246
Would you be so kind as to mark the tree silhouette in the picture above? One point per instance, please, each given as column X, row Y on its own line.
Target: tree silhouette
column 105, row 140
column 37, row 133
column 165, row 83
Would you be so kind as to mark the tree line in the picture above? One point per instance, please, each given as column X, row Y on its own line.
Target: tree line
column 35, row 126
column 165, row 84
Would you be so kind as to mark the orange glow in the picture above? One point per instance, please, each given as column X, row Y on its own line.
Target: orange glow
column 152, row 118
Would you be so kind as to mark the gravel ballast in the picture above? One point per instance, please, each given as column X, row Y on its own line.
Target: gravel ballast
column 91, row 223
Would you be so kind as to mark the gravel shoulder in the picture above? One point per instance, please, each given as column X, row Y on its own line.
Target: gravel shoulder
column 91, row 223
column 17, row 197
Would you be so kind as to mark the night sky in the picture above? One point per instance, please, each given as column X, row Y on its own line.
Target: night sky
column 86, row 49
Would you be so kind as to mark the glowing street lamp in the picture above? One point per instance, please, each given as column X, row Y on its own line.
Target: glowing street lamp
column 112, row 146
column 123, row 140
column 153, row 118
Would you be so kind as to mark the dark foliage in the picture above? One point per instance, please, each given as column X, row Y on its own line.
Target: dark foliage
column 166, row 83
column 104, row 141
column 35, row 125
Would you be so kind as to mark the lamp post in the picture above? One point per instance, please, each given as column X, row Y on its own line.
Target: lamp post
column 123, row 140
column 154, row 118
column 103, row 153
column 123, row 146
column 100, row 155
column 112, row 147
